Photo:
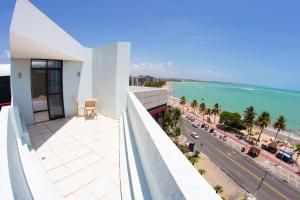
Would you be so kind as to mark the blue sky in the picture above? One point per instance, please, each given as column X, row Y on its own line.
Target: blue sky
column 245, row 41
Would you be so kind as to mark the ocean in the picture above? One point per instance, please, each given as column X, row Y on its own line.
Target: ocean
column 237, row 97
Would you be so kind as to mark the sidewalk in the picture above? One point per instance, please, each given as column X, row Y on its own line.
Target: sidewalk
column 263, row 153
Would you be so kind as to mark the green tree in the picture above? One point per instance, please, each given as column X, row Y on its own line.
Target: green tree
column 208, row 112
column 249, row 118
column 262, row 122
column 298, row 151
column 232, row 120
column 218, row 189
column 216, row 111
column 182, row 102
column 193, row 159
column 194, row 105
column 155, row 84
column 202, row 171
column 171, row 119
column 202, row 109
column 279, row 125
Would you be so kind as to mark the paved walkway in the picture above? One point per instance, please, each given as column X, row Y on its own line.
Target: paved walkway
column 81, row 157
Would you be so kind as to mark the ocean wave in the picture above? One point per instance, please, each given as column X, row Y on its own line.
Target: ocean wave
column 243, row 88
column 249, row 89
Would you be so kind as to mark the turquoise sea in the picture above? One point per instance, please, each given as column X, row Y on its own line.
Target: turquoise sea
column 236, row 97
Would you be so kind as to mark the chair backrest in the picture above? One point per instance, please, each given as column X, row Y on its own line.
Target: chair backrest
column 90, row 103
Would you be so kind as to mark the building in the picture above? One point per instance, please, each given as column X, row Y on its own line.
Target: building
column 142, row 79
column 48, row 153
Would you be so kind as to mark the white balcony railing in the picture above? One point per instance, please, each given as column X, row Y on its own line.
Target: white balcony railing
column 162, row 170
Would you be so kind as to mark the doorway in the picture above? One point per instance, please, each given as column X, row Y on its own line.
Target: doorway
column 47, row 89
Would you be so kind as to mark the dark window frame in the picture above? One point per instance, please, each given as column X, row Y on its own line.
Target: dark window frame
column 46, row 77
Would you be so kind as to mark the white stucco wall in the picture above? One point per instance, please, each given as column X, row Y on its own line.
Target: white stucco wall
column 71, row 83
column 168, row 173
column 151, row 97
column 21, row 87
column 110, row 77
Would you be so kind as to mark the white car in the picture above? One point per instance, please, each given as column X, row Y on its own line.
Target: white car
column 195, row 135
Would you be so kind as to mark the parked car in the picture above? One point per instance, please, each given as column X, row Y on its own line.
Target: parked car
column 224, row 138
column 203, row 125
column 195, row 135
column 253, row 151
column 196, row 125
column 271, row 147
column 211, row 130
column 215, row 133
column 206, row 127
column 192, row 119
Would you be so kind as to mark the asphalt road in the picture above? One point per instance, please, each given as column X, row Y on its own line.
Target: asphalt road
column 243, row 170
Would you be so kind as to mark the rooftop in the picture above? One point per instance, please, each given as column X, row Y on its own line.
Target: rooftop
column 81, row 157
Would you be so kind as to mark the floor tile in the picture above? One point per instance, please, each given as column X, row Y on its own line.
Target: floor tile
column 68, row 185
column 75, row 165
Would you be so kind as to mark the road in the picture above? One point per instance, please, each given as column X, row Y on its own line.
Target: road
column 242, row 169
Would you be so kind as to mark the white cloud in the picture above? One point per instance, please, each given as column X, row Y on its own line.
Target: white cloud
column 169, row 70
column 158, row 69
column 5, row 55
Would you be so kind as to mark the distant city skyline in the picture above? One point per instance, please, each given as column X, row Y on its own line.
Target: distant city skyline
column 229, row 41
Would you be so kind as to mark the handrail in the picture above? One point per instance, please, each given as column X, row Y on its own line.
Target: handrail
column 168, row 173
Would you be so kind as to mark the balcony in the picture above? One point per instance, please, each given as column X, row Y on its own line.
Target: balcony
column 103, row 158
column 80, row 157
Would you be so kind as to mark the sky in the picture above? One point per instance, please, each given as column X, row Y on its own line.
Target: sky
column 243, row 41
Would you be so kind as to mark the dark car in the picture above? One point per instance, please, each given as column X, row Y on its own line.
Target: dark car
column 211, row 130
column 271, row 147
column 253, row 151
column 203, row 125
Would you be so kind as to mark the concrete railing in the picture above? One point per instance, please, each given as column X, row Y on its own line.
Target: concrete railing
column 21, row 174
column 163, row 170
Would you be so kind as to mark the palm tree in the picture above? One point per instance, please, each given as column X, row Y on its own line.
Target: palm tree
column 249, row 118
column 202, row 109
column 208, row 112
column 298, row 152
column 194, row 105
column 218, row 189
column 262, row 122
column 279, row 125
column 202, row 171
column 182, row 102
column 216, row 111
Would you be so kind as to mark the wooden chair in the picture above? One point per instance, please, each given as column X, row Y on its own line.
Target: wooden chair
column 90, row 108
column 78, row 107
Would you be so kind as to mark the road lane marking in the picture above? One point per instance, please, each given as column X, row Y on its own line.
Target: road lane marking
column 249, row 172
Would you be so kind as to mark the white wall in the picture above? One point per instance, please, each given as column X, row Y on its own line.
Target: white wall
column 71, row 85
column 21, row 175
column 110, row 77
column 151, row 98
column 168, row 173
column 21, row 88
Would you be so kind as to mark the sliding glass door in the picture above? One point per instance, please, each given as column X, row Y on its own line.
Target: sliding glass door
column 47, row 89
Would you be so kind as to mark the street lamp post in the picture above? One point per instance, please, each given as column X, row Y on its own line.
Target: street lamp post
column 284, row 150
column 261, row 182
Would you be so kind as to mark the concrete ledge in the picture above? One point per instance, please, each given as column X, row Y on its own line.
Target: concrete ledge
column 169, row 175
column 21, row 173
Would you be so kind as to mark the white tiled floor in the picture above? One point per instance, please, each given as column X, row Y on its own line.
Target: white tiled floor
column 81, row 157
